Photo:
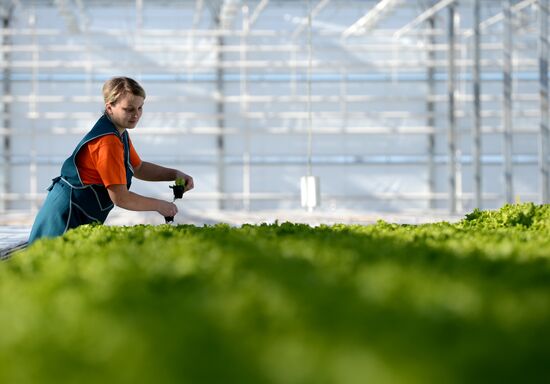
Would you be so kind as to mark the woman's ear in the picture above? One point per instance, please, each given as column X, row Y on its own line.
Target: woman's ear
column 108, row 108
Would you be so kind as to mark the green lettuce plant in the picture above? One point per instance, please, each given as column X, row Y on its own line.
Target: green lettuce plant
column 283, row 303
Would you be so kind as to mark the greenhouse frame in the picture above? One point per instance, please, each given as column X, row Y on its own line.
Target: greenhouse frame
column 392, row 105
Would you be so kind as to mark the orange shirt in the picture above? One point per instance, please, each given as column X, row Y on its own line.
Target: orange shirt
column 101, row 161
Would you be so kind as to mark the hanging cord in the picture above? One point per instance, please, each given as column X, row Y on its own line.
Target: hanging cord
column 309, row 113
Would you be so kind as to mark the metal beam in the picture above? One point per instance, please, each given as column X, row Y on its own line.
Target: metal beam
column 84, row 19
column 226, row 15
column 197, row 15
column 306, row 22
column 544, row 104
column 68, row 15
column 507, row 100
column 257, row 11
column 430, row 12
column 499, row 17
column 476, row 135
column 371, row 18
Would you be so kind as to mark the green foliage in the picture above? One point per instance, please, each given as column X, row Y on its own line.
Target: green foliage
column 524, row 215
column 180, row 182
column 283, row 303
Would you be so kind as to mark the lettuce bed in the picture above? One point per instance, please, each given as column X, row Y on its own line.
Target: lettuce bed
column 283, row 303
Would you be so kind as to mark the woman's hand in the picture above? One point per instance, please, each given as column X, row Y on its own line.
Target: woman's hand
column 188, row 181
column 123, row 198
column 167, row 208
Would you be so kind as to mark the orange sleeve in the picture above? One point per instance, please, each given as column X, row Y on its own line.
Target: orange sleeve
column 101, row 161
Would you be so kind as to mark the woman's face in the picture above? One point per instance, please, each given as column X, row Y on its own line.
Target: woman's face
column 126, row 112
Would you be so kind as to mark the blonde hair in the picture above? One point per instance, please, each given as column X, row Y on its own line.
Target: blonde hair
column 117, row 87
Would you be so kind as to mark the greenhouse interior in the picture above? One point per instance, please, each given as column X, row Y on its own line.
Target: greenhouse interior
column 390, row 105
column 387, row 161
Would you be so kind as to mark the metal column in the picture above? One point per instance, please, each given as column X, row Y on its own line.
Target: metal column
column 6, row 111
column 244, row 108
column 544, row 105
column 138, row 35
column 139, row 15
column 476, row 134
column 507, row 99
column 451, row 136
column 430, row 108
column 33, row 111
column 220, row 119
column 309, row 74
column 343, row 99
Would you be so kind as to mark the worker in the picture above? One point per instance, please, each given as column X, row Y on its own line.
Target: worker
column 98, row 175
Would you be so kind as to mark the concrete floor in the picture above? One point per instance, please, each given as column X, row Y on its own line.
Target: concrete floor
column 12, row 238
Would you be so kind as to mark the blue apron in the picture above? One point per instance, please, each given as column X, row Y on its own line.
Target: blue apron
column 70, row 203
